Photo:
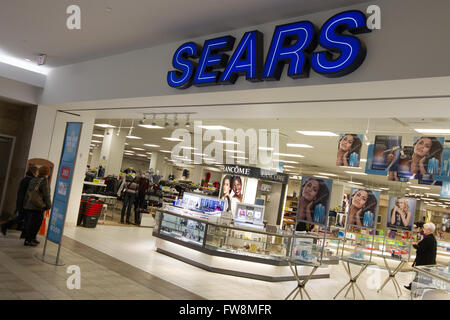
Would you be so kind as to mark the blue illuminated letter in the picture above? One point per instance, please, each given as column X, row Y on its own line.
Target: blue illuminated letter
column 211, row 60
column 182, row 77
column 292, row 44
column 350, row 50
column 247, row 59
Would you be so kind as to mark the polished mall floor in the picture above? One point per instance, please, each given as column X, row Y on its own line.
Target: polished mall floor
column 119, row 262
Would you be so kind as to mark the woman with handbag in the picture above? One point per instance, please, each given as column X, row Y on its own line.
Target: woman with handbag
column 36, row 202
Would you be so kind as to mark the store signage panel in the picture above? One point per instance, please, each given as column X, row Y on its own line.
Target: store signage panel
column 64, row 181
column 292, row 45
column 259, row 173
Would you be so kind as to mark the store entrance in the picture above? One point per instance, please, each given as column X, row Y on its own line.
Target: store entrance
column 6, row 151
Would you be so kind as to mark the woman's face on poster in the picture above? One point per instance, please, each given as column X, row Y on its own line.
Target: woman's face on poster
column 226, row 186
column 423, row 147
column 403, row 204
column 360, row 199
column 237, row 186
column 346, row 142
column 310, row 190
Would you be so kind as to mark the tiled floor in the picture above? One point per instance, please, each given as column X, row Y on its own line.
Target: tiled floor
column 24, row 276
column 119, row 262
column 136, row 246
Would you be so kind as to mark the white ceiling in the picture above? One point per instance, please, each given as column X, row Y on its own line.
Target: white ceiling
column 108, row 27
column 321, row 158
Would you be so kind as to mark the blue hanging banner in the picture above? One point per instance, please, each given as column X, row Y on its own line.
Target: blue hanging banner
column 64, row 181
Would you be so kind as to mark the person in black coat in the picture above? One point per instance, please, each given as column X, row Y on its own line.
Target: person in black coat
column 425, row 249
column 21, row 192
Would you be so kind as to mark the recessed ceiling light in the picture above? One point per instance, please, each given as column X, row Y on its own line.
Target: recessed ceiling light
column 151, row 145
column 226, row 141
column 359, row 173
column 172, row 139
column 299, row 145
column 434, row 131
column 104, row 125
column 133, row 137
column 419, row 187
column 234, row 151
column 328, row 174
column 318, row 133
column 150, row 126
column 212, row 127
column 288, row 155
column 319, row 176
column 353, row 182
column 286, row 161
column 266, row 148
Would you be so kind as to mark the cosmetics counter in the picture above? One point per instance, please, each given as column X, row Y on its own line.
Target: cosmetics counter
column 206, row 237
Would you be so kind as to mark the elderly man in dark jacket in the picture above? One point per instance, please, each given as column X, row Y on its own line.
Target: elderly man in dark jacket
column 23, row 186
column 425, row 249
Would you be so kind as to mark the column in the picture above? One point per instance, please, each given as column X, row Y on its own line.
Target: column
column 111, row 155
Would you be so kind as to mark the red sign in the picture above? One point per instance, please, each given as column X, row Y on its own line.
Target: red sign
column 65, row 172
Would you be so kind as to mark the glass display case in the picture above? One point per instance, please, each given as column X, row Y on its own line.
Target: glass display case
column 240, row 242
column 431, row 283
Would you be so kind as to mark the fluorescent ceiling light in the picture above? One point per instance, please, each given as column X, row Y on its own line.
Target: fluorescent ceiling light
column 433, row 194
column 126, row 143
column 98, row 135
column 139, row 149
column 353, row 182
column 430, row 199
column 434, row 131
column 318, row 133
column 198, row 154
column 24, row 64
column 104, row 125
column 419, row 187
column 285, row 167
column 384, row 188
column 363, row 160
column 134, row 137
column 165, row 151
column 188, row 148
column 226, row 141
column 265, row 148
column 286, row 161
column 96, row 141
column 172, row 139
column 141, row 155
column 234, row 151
column 212, row 127
column 328, row 174
column 243, row 158
column 318, row 176
column 148, row 153
column 288, row 155
column 353, row 172
column 151, row 145
column 150, row 126
column 299, row 145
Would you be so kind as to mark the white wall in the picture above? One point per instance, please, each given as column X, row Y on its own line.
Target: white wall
column 47, row 143
column 397, row 51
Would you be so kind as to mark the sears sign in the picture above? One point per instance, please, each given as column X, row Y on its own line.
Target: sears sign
column 292, row 44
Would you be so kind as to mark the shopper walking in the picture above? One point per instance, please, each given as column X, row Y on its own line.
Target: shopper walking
column 426, row 249
column 130, row 188
column 37, row 200
column 21, row 192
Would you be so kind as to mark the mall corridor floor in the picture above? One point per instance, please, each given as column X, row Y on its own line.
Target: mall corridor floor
column 24, row 277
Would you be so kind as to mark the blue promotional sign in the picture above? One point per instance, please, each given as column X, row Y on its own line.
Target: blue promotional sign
column 369, row 169
column 445, row 166
column 64, row 181
column 292, row 45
